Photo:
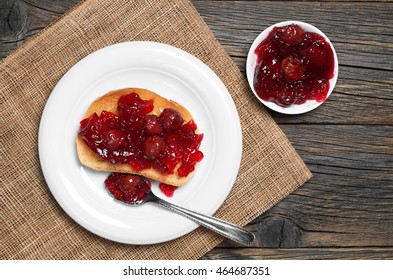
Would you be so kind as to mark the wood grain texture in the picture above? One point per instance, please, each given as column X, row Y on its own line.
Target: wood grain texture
column 346, row 210
column 348, row 202
column 370, row 253
column 347, row 142
column 20, row 20
column 359, row 31
column 361, row 35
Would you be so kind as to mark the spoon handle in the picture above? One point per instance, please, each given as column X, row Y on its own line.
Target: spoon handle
column 226, row 229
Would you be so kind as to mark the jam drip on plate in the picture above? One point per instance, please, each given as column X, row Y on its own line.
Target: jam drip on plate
column 168, row 190
column 293, row 66
column 143, row 140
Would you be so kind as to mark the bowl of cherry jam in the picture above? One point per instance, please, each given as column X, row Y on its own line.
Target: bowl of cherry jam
column 292, row 67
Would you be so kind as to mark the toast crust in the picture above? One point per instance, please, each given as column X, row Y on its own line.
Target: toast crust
column 108, row 102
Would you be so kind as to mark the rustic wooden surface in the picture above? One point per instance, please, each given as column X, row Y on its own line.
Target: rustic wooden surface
column 346, row 210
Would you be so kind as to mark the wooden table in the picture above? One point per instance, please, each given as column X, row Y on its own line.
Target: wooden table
column 346, row 210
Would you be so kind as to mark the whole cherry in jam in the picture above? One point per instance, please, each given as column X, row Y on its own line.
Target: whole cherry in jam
column 293, row 66
column 170, row 119
column 292, row 69
column 152, row 125
column 143, row 140
column 154, row 146
column 113, row 139
column 128, row 188
column 293, row 34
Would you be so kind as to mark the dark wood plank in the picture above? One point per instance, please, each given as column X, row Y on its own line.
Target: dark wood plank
column 361, row 96
column 14, row 25
column 363, row 41
column 349, row 200
column 20, row 20
column 301, row 254
column 362, row 38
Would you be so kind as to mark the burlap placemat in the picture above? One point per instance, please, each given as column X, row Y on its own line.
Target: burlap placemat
column 33, row 226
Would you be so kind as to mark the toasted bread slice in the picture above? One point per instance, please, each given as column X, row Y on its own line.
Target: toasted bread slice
column 108, row 102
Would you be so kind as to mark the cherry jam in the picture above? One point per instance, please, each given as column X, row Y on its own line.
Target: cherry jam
column 293, row 66
column 143, row 140
column 128, row 188
column 168, row 190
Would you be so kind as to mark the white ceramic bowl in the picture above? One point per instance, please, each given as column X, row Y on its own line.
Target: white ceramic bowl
column 252, row 62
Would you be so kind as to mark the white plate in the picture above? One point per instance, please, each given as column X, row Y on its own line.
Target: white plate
column 173, row 74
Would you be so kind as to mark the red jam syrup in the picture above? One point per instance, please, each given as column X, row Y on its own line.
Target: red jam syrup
column 168, row 190
column 143, row 140
column 128, row 188
column 293, row 66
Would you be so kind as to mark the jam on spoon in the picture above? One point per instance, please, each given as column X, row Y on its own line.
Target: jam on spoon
column 132, row 188
column 293, row 66
column 134, row 191
column 128, row 188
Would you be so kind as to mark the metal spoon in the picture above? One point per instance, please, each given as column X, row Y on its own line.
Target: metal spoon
column 226, row 229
